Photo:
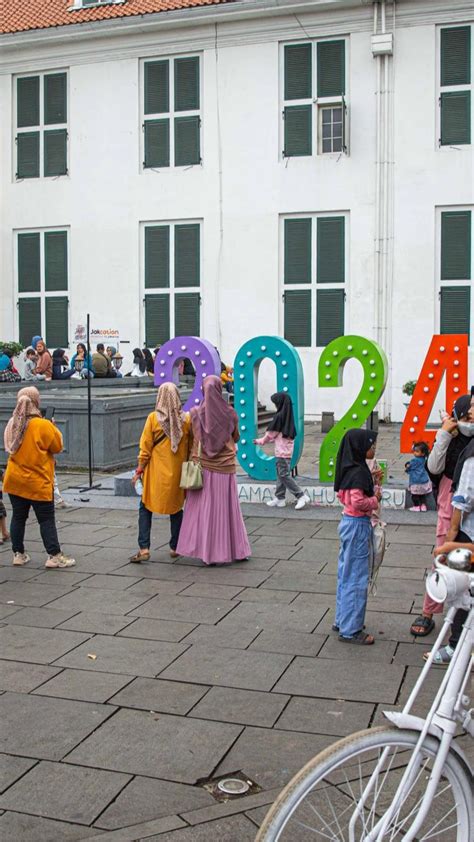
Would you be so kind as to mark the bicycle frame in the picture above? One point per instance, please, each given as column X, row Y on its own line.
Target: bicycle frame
column 449, row 707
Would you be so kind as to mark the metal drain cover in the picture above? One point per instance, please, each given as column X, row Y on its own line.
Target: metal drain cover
column 230, row 787
column 233, row 786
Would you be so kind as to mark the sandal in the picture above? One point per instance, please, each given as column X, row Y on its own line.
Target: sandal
column 360, row 639
column 442, row 657
column 426, row 624
column 140, row 556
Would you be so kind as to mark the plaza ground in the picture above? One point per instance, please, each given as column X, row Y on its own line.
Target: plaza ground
column 124, row 687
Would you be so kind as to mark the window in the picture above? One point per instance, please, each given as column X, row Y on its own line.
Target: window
column 171, row 112
column 456, row 272
column 314, row 74
column 41, row 121
column 331, row 130
column 455, row 86
column 314, row 277
column 42, row 281
column 84, row 4
column 172, row 279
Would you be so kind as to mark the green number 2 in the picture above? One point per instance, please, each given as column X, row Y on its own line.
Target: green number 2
column 330, row 374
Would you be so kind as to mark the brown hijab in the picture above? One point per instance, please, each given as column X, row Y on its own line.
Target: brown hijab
column 27, row 406
column 170, row 414
column 214, row 421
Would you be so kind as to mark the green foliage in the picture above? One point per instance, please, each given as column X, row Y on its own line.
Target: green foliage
column 409, row 387
column 14, row 347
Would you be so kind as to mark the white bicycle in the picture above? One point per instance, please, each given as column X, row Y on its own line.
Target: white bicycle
column 411, row 782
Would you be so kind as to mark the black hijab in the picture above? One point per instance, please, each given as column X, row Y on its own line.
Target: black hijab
column 467, row 453
column 352, row 470
column 459, row 442
column 139, row 360
column 150, row 365
column 283, row 421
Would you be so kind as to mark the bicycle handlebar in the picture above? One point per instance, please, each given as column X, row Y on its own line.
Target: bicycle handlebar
column 445, row 584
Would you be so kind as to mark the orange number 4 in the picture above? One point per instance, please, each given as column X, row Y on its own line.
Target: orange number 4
column 447, row 355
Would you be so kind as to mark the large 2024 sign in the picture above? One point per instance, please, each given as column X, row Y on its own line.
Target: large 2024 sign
column 447, row 355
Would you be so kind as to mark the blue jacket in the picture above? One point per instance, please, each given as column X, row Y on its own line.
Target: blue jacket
column 87, row 362
column 416, row 471
column 4, row 362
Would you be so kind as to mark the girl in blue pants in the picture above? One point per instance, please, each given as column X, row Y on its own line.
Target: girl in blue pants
column 355, row 489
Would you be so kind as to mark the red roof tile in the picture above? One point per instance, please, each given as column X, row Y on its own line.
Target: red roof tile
column 23, row 15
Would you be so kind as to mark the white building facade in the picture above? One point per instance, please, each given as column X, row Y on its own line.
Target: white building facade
column 241, row 169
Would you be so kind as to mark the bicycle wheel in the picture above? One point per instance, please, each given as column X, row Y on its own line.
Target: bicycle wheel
column 320, row 801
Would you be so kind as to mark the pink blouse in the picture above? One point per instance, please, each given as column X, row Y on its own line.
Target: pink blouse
column 356, row 503
column 283, row 447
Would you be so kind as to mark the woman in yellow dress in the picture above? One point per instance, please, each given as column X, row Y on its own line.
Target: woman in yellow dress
column 164, row 446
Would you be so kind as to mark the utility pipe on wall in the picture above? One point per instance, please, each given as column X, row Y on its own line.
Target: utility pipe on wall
column 383, row 239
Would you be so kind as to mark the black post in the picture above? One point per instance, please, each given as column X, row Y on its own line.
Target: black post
column 89, row 401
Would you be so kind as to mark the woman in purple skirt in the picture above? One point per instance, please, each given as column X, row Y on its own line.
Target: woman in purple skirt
column 213, row 527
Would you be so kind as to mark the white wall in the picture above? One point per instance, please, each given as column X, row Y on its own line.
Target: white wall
column 106, row 196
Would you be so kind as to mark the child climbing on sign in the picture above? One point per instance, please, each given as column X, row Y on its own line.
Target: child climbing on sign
column 355, row 489
column 419, row 483
column 282, row 432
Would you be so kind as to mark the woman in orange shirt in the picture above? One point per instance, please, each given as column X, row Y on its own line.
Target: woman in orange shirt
column 31, row 442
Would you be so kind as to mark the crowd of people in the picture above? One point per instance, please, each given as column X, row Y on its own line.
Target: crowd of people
column 205, row 517
column 41, row 364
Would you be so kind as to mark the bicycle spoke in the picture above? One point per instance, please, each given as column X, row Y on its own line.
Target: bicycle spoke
column 349, row 801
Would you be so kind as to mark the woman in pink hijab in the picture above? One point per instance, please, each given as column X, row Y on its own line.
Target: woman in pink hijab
column 213, row 527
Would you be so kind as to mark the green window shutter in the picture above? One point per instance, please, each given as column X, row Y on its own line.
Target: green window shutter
column 55, row 98
column 298, row 81
column 187, row 255
column 456, row 246
column 329, row 315
column 330, row 250
column 186, row 314
column 298, row 133
column 55, row 260
column 331, row 68
column 28, row 155
column 29, row 272
column 456, row 56
column 29, row 319
column 455, row 310
column 157, row 319
column 186, row 84
column 298, row 317
column 455, row 118
column 186, row 141
column 297, row 263
column 55, row 152
column 57, row 322
column 157, row 256
column 157, row 143
column 27, row 101
column 157, row 88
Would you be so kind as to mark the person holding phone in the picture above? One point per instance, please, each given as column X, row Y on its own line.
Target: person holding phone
column 449, row 443
column 32, row 442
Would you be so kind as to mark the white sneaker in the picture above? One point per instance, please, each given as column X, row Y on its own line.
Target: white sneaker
column 302, row 501
column 60, row 560
column 276, row 502
column 19, row 559
column 61, row 504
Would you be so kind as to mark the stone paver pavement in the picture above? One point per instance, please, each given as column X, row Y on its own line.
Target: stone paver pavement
column 124, row 687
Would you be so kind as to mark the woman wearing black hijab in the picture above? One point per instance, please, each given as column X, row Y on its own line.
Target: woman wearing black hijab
column 355, row 489
column 150, row 365
column 282, row 432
